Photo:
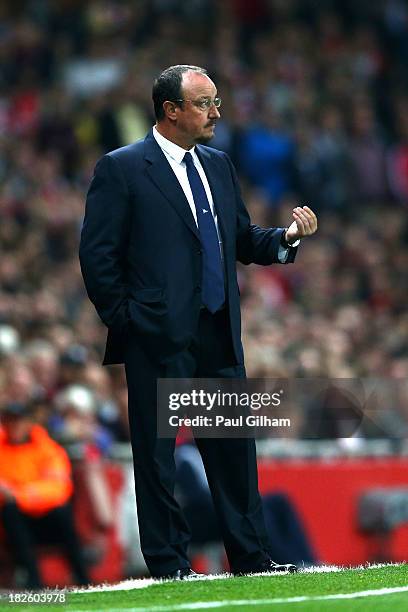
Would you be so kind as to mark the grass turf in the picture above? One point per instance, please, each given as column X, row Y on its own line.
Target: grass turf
column 168, row 595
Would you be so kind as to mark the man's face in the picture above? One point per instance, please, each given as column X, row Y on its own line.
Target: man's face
column 196, row 125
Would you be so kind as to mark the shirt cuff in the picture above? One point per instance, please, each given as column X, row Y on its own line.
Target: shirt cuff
column 282, row 254
column 286, row 245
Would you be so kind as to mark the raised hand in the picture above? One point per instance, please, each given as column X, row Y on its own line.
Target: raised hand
column 304, row 224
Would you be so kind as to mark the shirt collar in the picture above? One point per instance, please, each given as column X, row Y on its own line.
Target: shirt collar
column 171, row 148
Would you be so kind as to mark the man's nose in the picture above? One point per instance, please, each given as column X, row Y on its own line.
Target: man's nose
column 214, row 113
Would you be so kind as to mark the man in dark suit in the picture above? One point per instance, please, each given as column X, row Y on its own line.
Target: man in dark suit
column 163, row 229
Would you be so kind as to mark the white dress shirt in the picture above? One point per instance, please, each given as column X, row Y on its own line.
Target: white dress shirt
column 175, row 155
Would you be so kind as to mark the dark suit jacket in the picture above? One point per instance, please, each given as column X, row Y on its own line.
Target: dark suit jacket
column 140, row 248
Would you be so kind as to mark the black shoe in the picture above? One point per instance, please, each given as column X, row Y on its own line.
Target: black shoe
column 186, row 573
column 269, row 567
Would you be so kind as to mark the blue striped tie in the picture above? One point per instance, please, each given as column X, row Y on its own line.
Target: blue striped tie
column 213, row 292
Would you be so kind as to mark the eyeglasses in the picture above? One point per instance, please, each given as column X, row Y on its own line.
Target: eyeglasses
column 204, row 104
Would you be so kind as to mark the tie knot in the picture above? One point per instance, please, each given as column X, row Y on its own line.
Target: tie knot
column 188, row 159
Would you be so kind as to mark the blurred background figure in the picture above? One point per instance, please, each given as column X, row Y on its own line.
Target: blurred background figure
column 35, row 495
column 76, row 420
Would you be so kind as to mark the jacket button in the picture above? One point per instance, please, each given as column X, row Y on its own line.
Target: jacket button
column 200, row 251
column 197, row 289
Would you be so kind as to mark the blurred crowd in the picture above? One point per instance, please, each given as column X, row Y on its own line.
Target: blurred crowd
column 315, row 110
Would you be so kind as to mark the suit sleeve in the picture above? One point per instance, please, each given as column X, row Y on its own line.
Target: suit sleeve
column 104, row 239
column 256, row 244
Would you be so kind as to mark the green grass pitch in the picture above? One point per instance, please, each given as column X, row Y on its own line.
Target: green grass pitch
column 376, row 588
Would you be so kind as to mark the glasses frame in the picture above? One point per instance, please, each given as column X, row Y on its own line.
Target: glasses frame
column 203, row 105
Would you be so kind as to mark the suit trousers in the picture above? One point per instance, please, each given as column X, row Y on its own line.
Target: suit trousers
column 230, row 464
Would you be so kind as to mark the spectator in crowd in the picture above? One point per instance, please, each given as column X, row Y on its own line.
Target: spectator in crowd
column 35, row 494
column 367, row 151
column 76, row 421
column 266, row 158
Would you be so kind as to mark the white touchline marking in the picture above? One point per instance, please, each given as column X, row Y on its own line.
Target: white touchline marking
column 200, row 605
column 142, row 583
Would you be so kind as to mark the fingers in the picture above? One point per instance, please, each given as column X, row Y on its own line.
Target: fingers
column 302, row 221
column 306, row 220
column 310, row 212
column 300, row 224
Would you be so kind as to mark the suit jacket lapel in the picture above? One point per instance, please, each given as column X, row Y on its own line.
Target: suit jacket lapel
column 164, row 178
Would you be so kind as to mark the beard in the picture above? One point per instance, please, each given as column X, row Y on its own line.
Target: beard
column 203, row 138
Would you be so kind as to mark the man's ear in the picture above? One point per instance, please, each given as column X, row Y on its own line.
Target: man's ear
column 170, row 110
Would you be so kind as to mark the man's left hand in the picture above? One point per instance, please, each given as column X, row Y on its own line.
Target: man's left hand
column 305, row 224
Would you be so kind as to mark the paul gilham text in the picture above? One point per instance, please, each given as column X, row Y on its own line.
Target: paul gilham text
column 221, row 421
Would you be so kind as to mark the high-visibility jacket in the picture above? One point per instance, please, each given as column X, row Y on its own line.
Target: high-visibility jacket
column 38, row 472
